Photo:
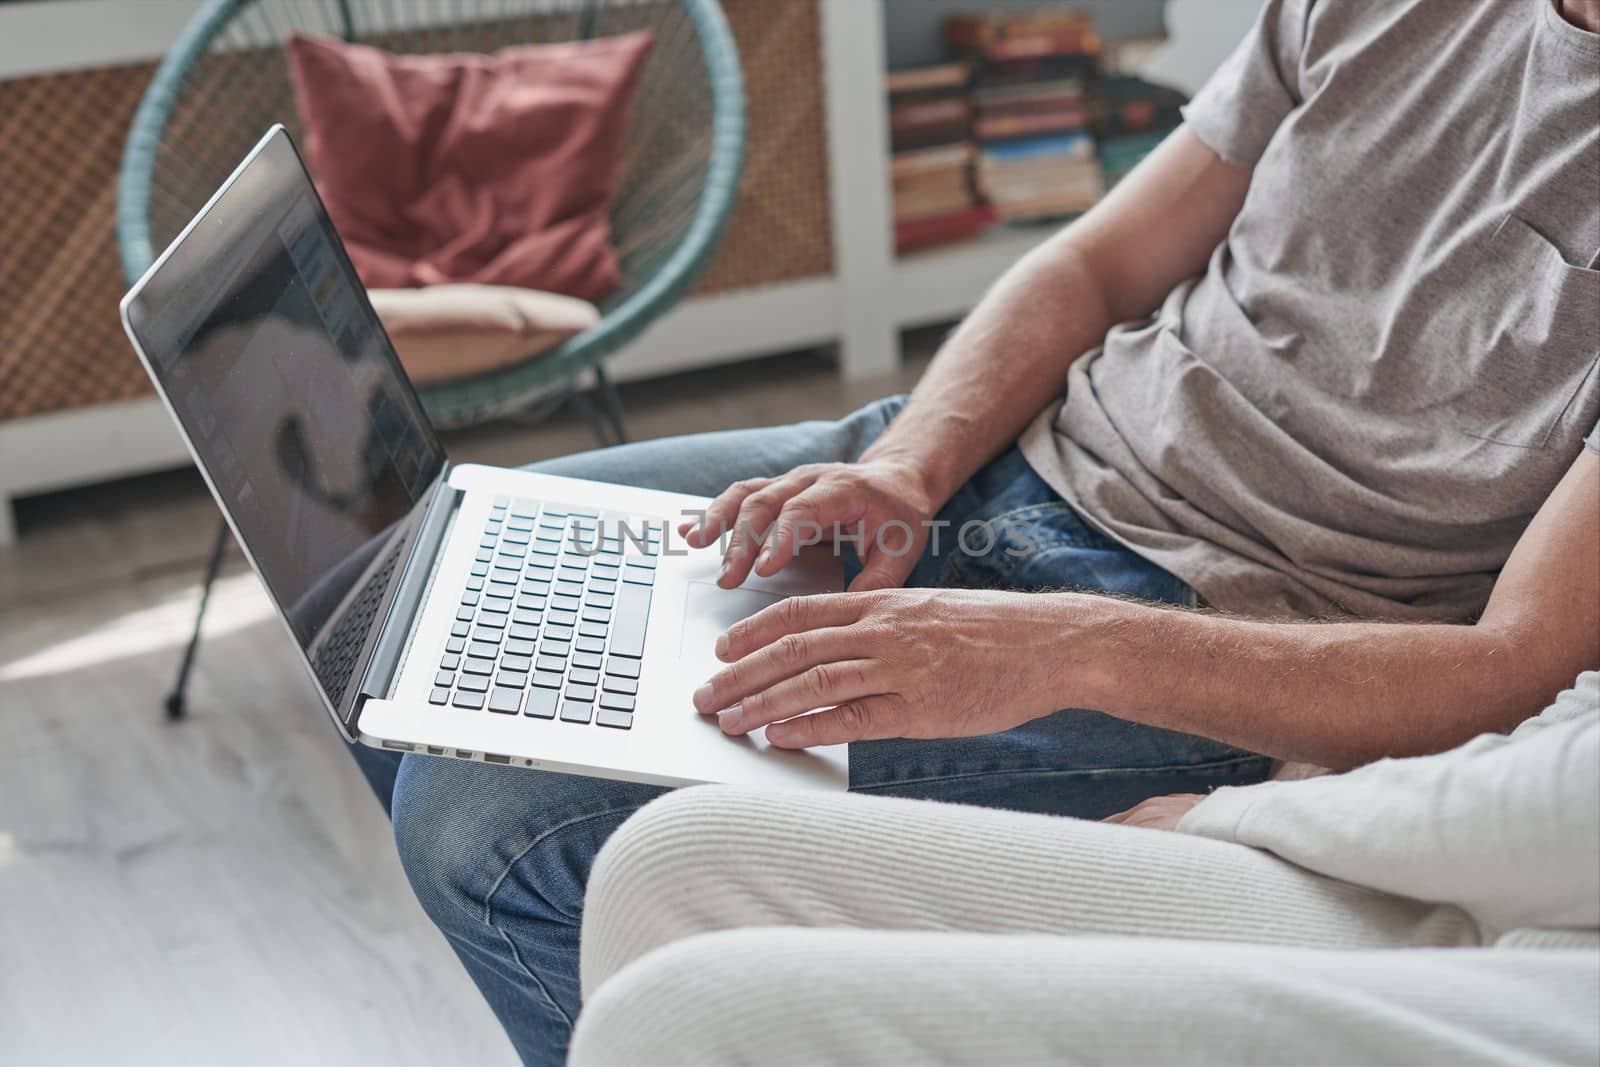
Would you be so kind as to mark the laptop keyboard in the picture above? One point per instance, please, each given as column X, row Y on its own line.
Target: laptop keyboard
column 552, row 622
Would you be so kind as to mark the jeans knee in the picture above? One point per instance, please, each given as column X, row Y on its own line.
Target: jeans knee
column 500, row 845
column 434, row 835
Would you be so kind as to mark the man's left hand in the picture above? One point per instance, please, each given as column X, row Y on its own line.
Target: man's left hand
column 899, row 663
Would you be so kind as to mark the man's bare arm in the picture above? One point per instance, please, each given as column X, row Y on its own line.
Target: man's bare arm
column 1010, row 357
column 1008, row 361
column 1343, row 694
column 955, row 662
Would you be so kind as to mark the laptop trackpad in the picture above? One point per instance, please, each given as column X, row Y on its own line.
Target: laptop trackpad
column 708, row 611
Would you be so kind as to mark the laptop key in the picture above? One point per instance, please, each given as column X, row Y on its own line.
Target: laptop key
column 617, row 720
column 492, row 619
column 555, row 648
column 486, row 633
column 558, row 633
column 563, row 618
column 576, row 711
column 527, row 618
column 523, row 632
column 480, row 569
column 512, row 679
column 633, row 611
column 586, row 659
column 502, row 604
column 531, row 602
column 477, row 683
column 445, row 679
column 469, row 599
column 459, row 629
column 506, row 701
column 584, row 693
column 618, row 701
column 623, row 668
column 475, row 584
column 449, row 661
column 550, row 663
column 510, row 662
column 439, row 696
column 584, row 675
column 519, row 647
column 593, row 629
column 476, row 665
column 466, row 699
column 464, row 614
column 614, row 684
column 455, row 644
column 564, row 603
column 594, row 614
column 541, row 704
column 590, row 644
column 482, row 648
column 547, row 679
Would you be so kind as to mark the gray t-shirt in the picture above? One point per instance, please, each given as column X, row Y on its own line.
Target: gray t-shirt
column 1395, row 355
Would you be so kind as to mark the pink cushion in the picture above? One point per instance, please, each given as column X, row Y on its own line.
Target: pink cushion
column 495, row 169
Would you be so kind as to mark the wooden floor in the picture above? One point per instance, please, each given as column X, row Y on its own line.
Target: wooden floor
column 224, row 890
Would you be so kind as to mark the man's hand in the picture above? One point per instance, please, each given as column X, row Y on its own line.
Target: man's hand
column 903, row 663
column 770, row 519
column 1158, row 813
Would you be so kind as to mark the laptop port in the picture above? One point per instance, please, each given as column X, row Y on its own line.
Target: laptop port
column 401, row 746
column 490, row 757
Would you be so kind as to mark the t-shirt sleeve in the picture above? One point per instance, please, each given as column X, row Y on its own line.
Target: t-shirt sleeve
column 1239, row 109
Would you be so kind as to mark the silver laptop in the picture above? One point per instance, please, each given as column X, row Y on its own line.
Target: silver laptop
column 463, row 611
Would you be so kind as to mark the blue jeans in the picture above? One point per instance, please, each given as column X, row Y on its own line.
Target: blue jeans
column 499, row 856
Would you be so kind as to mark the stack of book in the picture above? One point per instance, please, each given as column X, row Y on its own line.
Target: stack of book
column 1131, row 117
column 930, row 130
column 1032, row 122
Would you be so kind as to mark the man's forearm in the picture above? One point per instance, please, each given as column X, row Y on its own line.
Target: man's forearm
column 1333, row 694
column 1011, row 356
column 1000, row 368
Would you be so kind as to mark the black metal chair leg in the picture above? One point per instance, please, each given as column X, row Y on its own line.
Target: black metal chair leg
column 176, row 703
column 591, row 415
column 612, row 403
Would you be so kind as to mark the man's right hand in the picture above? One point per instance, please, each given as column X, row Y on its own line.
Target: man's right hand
column 770, row 519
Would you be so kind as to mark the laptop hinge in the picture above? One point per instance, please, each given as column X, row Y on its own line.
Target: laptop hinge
column 388, row 652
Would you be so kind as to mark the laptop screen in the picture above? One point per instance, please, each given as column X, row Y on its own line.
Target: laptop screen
column 258, row 333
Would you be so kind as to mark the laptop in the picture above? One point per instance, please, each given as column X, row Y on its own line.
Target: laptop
column 459, row 611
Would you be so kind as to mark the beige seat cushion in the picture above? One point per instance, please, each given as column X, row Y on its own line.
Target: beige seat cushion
column 453, row 331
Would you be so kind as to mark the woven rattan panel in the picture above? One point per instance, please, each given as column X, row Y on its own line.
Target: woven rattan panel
column 781, row 226
column 61, row 138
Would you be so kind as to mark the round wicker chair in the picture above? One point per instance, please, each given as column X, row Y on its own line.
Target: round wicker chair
column 226, row 80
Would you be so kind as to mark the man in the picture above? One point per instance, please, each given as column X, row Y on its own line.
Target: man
column 1329, row 354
